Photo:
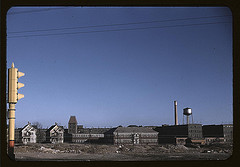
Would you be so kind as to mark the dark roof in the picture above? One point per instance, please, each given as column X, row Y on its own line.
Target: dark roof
column 72, row 119
column 95, row 130
column 49, row 129
column 152, row 127
column 218, row 125
column 132, row 126
column 110, row 131
column 53, row 127
column 27, row 125
column 134, row 130
column 186, row 125
column 24, row 127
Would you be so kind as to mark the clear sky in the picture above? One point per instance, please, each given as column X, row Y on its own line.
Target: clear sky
column 113, row 66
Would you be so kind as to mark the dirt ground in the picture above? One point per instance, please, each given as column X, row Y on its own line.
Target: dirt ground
column 93, row 152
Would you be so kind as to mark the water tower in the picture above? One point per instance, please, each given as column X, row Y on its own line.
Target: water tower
column 187, row 112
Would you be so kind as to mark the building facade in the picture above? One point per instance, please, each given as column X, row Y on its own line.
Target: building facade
column 78, row 134
column 28, row 134
column 218, row 133
column 89, row 135
column 72, row 125
column 180, row 134
column 55, row 134
column 131, row 135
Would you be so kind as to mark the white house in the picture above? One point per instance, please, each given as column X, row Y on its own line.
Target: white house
column 28, row 134
column 55, row 134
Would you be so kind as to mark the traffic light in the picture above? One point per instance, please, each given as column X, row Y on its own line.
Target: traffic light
column 14, row 85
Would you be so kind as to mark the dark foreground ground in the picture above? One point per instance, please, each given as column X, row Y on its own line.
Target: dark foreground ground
column 90, row 152
column 118, row 157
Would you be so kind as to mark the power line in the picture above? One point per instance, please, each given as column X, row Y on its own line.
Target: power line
column 33, row 11
column 117, row 30
column 118, row 24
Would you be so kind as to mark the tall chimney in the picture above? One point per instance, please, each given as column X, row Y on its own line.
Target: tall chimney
column 175, row 109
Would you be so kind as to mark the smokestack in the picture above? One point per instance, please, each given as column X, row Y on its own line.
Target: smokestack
column 175, row 109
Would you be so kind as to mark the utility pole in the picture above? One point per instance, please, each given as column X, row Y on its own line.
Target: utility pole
column 13, row 97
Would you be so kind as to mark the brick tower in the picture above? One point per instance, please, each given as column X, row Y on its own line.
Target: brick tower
column 72, row 125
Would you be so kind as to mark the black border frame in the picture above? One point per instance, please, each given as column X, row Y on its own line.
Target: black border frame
column 234, row 5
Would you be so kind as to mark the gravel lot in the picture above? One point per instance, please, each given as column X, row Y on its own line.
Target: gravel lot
column 91, row 152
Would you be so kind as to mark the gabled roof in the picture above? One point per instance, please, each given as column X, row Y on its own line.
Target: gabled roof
column 72, row 120
column 49, row 129
column 24, row 126
column 53, row 126
column 134, row 130
column 27, row 126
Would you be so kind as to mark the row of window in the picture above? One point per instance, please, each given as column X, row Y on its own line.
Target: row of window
column 123, row 141
column 196, row 135
column 79, row 141
column 195, row 131
column 88, row 135
column 214, row 139
column 28, row 133
column 26, row 140
column 130, row 135
column 130, row 140
column 149, row 135
column 149, row 140
column 56, row 134
column 229, row 126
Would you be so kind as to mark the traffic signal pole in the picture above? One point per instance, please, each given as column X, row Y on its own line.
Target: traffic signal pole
column 11, row 124
column 11, row 119
column 13, row 97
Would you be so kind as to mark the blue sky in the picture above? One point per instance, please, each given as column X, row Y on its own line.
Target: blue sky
column 121, row 77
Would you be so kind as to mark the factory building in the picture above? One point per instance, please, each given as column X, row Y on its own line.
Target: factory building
column 218, row 133
column 120, row 135
column 132, row 135
column 89, row 135
column 78, row 134
column 180, row 134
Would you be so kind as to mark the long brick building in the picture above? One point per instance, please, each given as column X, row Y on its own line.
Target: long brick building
column 180, row 134
column 218, row 133
column 132, row 135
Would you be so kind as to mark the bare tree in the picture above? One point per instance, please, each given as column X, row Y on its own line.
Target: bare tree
column 37, row 124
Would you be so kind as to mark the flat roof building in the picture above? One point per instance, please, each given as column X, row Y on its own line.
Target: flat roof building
column 178, row 134
column 132, row 135
column 218, row 133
